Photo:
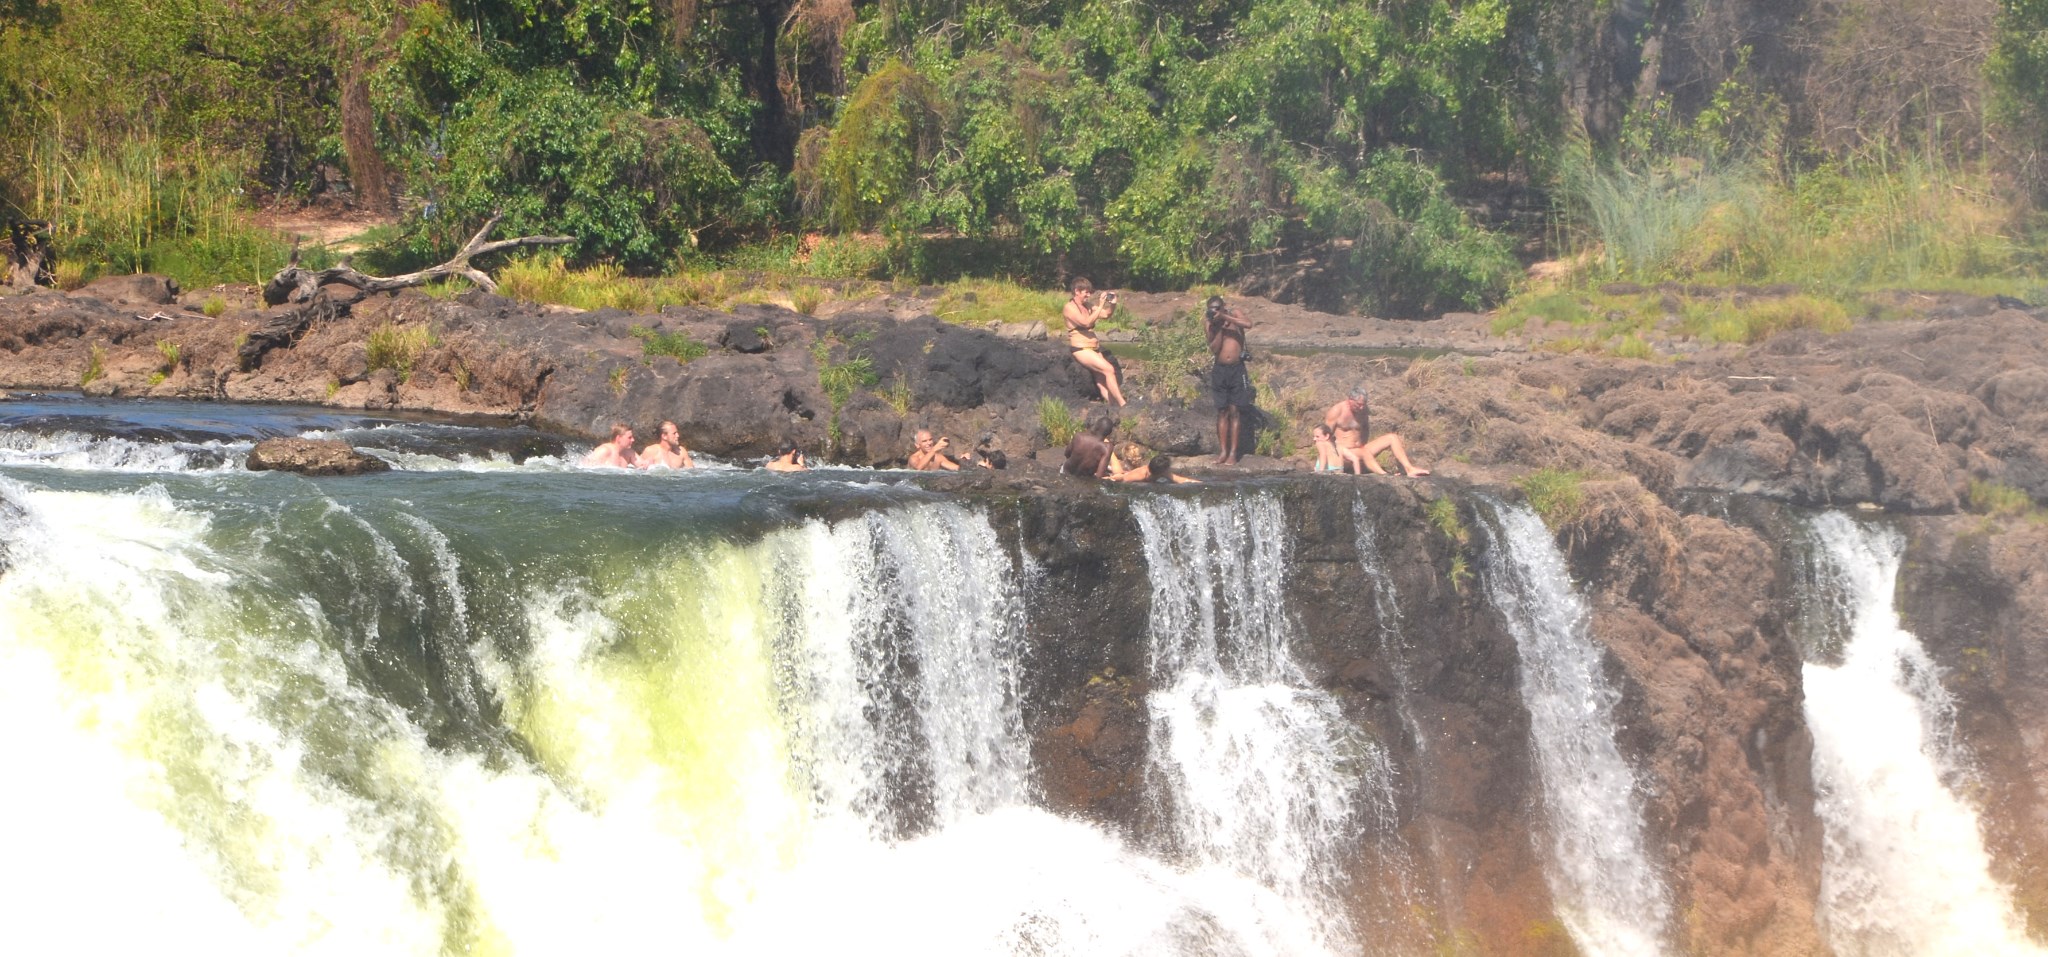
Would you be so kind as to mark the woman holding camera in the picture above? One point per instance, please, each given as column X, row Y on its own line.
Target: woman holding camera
column 1081, row 320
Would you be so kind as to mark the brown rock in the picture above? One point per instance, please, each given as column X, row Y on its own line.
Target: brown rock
column 143, row 290
column 318, row 457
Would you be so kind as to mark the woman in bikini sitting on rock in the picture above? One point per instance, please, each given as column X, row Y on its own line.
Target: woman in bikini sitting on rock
column 1081, row 320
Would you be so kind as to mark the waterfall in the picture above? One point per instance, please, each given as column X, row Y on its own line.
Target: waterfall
column 1904, row 869
column 1401, row 899
column 456, row 714
column 1608, row 892
column 1258, row 769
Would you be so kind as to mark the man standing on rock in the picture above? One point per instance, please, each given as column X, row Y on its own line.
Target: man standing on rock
column 617, row 453
column 1349, row 422
column 668, row 452
column 1228, row 379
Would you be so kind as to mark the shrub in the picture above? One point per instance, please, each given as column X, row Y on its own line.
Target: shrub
column 95, row 366
column 1058, row 422
column 214, row 307
column 1442, row 512
column 1994, row 498
column 675, row 345
column 170, row 352
column 1556, row 495
column 399, row 348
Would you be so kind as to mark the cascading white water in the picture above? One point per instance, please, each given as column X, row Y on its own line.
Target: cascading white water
column 1904, row 869
column 71, row 450
column 1607, row 891
column 1260, row 770
column 809, row 743
column 1400, row 914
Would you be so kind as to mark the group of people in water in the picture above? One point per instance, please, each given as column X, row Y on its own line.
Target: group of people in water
column 1340, row 439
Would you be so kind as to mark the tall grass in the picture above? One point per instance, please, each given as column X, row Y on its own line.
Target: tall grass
column 1844, row 227
column 136, row 205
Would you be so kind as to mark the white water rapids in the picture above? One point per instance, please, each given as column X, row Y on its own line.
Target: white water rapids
column 1904, row 871
column 809, row 744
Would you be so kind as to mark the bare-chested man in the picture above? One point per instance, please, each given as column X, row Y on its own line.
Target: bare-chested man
column 1089, row 453
column 930, row 454
column 1228, row 380
column 1349, row 422
column 668, row 452
column 617, row 453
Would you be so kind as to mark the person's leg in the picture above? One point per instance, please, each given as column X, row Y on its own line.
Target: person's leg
column 1223, row 445
column 1236, row 446
column 1400, row 449
column 1367, row 456
column 1105, row 374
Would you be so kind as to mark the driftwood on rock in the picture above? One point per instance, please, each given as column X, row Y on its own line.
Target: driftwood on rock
column 29, row 262
column 294, row 284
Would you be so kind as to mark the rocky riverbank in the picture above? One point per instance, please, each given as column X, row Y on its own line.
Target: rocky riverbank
column 1902, row 413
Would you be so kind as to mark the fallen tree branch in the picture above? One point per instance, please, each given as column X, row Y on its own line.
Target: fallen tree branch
column 294, row 284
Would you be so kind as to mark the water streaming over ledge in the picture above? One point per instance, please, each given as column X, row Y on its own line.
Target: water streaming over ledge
column 452, row 713
column 1904, row 870
column 1608, row 891
column 1257, row 768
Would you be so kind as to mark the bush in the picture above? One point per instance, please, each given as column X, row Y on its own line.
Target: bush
column 137, row 206
column 1058, row 422
column 674, row 345
column 1556, row 495
column 399, row 348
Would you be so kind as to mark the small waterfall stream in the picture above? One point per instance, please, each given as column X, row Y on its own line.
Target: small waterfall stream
column 1259, row 771
column 1904, row 871
column 1608, row 891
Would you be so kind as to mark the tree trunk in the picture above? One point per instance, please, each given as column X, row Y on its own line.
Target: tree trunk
column 366, row 166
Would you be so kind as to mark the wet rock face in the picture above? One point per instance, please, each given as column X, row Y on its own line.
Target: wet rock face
column 1686, row 606
column 315, row 457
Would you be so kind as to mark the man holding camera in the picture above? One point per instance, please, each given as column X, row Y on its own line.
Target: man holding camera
column 1228, row 380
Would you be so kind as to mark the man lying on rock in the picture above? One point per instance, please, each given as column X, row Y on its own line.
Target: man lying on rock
column 668, row 452
column 1349, row 422
column 617, row 453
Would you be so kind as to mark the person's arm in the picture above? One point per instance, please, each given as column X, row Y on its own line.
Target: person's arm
column 1333, row 420
column 1184, row 480
column 688, row 462
column 1139, row 474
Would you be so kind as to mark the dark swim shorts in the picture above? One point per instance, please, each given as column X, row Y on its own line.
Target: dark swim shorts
column 1231, row 384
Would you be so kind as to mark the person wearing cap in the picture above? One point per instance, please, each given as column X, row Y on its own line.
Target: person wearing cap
column 1228, row 380
column 1349, row 422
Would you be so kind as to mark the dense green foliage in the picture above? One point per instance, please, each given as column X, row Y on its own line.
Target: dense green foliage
column 1416, row 150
